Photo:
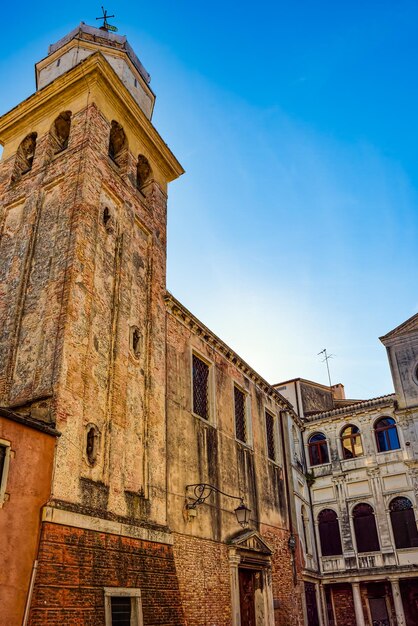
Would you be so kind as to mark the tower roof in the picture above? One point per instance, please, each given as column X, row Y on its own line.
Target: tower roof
column 86, row 40
column 103, row 38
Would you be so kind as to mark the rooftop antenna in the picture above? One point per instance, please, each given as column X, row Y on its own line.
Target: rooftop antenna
column 326, row 359
column 106, row 26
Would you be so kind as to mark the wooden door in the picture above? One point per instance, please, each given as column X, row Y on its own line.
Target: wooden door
column 247, row 597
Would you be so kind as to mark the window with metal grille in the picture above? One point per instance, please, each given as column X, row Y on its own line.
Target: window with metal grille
column 271, row 439
column 123, row 606
column 121, row 611
column 240, row 416
column 200, row 388
column 403, row 521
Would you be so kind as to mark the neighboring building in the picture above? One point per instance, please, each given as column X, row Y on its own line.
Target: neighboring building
column 27, row 445
column 362, row 467
column 146, row 400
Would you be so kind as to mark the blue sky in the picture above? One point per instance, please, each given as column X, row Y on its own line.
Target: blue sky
column 295, row 226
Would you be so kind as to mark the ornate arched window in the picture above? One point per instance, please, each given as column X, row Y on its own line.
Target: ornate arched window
column 351, row 442
column 329, row 533
column 60, row 132
column 25, row 155
column 365, row 528
column 143, row 172
column 386, row 434
column 403, row 521
column 118, row 144
column 318, row 449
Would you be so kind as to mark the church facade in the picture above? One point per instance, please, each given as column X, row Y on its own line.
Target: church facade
column 148, row 475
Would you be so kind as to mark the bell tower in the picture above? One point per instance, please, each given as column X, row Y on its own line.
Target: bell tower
column 83, row 190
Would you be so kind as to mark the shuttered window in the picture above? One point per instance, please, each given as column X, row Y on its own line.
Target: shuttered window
column 329, row 533
column 365, row 528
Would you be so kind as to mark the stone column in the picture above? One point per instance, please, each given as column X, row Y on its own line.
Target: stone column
column 397, row 600
column 358, row 607
column 319, row 605
column 234, row 561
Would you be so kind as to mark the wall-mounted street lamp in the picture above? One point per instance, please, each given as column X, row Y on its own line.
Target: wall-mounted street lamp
column 201, row 493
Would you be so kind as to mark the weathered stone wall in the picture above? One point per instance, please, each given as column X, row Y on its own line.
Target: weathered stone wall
column 75, row 565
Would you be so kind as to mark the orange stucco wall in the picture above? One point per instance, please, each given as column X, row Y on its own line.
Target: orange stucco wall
column 28, row 488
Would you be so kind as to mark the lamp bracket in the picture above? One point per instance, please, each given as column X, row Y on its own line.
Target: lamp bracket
column 202, row 491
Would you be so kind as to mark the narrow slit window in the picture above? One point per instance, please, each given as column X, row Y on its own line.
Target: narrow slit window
column 271, row 439
column 240, row 416
column 200, row 388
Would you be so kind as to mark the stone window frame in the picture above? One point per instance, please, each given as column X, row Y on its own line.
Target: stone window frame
column 5, row 473
column 393, row 426
column 277, row 448
column 211, row 387
column 341, row 437
column 310, row 445
column 248, row 416
column 136, row 604
column 415, row 373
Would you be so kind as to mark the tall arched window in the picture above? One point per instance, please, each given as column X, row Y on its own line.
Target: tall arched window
column 365, row 528
column 403, row 521
column 60, row 132
column 118, row 143
column 318, row 449
column 25, row 155
column 143, row 172
column 351, row 442
column 329, row 533
column 386, row 434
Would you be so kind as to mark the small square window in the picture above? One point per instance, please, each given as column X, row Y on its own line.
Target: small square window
column 241, row 425
column 123, row 607
column 201, row 384
column 271, row 436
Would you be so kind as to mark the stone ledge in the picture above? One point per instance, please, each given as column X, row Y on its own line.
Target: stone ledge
column 87, row 522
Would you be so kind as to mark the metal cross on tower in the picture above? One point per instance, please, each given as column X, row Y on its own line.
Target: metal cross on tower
column 106, row 26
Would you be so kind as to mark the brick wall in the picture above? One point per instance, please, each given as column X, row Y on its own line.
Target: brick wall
column 343, row 605
column 204, row 581
column 75, row 565
column 287, row 596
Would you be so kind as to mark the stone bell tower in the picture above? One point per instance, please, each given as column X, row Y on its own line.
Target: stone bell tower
column 83, row 189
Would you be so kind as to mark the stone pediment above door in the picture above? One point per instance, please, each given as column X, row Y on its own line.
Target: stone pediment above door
column 251, row 540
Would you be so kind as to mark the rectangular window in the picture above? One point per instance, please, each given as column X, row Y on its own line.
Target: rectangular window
column 271, row 436
column 4, row 467
column 200, row 388
column 123, row 607
column 241, row 430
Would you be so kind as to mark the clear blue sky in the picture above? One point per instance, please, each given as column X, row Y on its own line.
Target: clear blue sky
column 295, row 226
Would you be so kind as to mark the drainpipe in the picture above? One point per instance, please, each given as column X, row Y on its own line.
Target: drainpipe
column 30, row 593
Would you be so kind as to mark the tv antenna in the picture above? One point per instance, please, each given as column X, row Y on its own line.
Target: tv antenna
column 106, row 26
column 326, row 358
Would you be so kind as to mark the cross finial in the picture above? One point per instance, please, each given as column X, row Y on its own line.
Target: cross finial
column 106, row 26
